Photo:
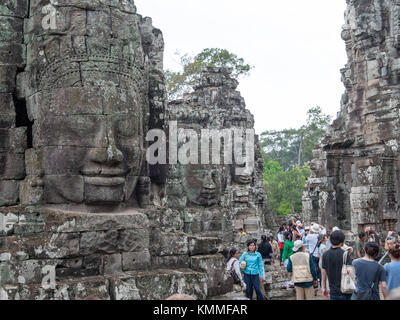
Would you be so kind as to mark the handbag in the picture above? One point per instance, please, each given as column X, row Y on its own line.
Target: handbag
column 369, row 294
column 347, row 284
column 243, row 264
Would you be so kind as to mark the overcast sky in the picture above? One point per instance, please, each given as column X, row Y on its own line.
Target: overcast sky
column 294, row 46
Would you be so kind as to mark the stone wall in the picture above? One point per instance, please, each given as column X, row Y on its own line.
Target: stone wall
column 355, row 172
column 13, row 133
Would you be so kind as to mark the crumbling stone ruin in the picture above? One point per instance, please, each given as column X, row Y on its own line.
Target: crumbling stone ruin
column 355, row 173
column 81, row 85
column 202, row 189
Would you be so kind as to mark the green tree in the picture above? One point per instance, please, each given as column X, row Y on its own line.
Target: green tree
column 179, row 83
column 285, row 188
column 286, row 155
column 293, row 147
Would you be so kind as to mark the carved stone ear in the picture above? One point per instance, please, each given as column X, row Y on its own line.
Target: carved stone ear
column 143, row 190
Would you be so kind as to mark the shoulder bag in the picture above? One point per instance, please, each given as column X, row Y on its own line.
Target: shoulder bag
column 347, row 284
column 243, row 264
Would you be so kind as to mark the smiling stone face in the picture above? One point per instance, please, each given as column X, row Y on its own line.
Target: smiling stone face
column 90, row 158
column 203, row 184
column 87, row 97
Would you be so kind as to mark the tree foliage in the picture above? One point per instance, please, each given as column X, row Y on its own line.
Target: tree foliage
column 285, row 188
column 179, row 83
column 293, row 147
column 286, row 156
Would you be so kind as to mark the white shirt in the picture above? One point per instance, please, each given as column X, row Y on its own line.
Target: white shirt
column 312, row 241
column 302, row 232
column 280, row 237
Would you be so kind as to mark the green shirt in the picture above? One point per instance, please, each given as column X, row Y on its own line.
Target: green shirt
column 287, row 250
column 359, row 247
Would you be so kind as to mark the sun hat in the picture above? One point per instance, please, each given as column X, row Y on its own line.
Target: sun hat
column 299, row 223
column 297, row 245
column 315, row 228
column 335, row 229
column 307, row 228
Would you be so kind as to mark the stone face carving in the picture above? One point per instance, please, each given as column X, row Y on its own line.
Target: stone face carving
column 216, row 105
column 203, row 184
column 355, row 176
column 93, row 86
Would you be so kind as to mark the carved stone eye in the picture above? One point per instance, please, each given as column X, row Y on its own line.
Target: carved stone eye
column 127, row 127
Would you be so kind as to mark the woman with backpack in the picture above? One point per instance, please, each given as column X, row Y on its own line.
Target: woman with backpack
column 232, row 266
column 369, row 274
column 252, row 265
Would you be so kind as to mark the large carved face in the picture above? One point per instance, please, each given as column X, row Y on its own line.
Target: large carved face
column 245, row 176
column 86, row 82
column 92, row 145
column 204, row 184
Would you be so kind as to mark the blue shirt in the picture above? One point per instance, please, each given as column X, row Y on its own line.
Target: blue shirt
column 393, row 275
column 305, row 242
column 254, row 263
column 365, row 273
column 313, row 270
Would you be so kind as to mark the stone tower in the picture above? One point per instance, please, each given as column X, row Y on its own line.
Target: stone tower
column 355, row 173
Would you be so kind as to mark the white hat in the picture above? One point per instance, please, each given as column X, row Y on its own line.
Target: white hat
column 297, row 245
column 307, row 228
column 299, row 224
column 335, row 229
column 315, row 228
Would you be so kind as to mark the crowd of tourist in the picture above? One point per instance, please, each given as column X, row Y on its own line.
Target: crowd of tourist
column 320, row 262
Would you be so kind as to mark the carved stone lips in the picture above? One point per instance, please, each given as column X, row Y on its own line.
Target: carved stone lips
column 208, row 194
column 109, row 177
column 104, row 181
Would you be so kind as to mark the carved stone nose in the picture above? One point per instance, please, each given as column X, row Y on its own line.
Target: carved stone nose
column 110, row 155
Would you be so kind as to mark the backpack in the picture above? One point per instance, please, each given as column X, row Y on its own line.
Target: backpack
column 233, row 274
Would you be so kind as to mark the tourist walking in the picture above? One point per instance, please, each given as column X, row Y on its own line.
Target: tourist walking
column 360, row 244
column 232, row 266
column 265, row 249
column 372, row 236
column 300, row 229
column 322, row 248
column 281, row 240
column 275, row 249
column 287, row 249
column 306, row 233
column 393, row 269
column 304, row 272
column 253, row 270
column 390, row 243
column 369, row 274
column 312, row 242
column 328, row 242
column 332, row 264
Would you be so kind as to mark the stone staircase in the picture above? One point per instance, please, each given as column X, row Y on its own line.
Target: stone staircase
column 275, row 278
